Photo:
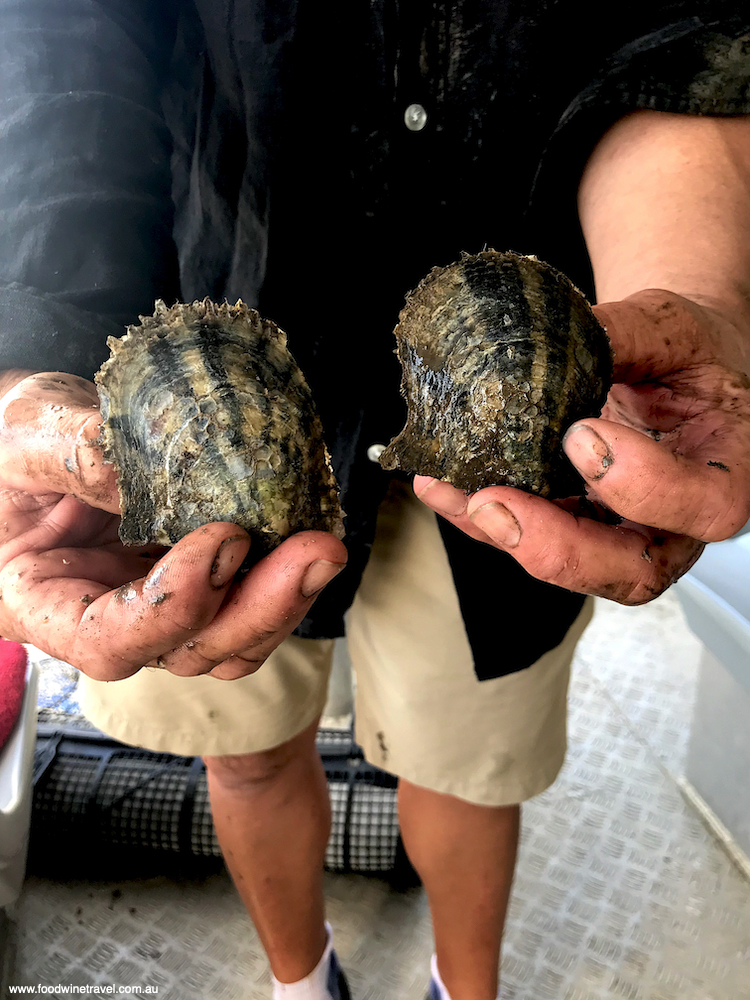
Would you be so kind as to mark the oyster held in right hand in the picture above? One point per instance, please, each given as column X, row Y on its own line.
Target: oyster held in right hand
column 207, row 417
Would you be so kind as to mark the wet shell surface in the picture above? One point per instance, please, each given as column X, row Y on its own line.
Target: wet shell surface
column 500, row 355
column 208, row 418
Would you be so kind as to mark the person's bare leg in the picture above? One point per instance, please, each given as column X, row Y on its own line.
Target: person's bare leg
column 272, row 816
column 465, row 855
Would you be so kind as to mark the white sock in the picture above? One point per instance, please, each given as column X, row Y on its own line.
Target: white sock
column 315, row 985
column 444, row 994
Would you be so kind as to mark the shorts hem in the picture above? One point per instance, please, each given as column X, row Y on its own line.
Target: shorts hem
column 502, row 793
column 205, row 744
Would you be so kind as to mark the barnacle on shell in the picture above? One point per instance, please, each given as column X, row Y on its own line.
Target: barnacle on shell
column 500, row 355
column 208, row 418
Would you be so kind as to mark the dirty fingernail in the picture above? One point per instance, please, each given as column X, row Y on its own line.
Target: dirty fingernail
column 318, row 575
column 497, row 522
column 587, row 451
column 228, row 559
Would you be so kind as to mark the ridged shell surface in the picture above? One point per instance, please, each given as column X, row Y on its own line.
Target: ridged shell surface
column 500, row 355
column 207, row 417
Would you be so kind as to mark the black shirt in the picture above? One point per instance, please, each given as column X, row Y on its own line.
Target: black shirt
column 258, row 150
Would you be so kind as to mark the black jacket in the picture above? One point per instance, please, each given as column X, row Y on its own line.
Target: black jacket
column 257, row 149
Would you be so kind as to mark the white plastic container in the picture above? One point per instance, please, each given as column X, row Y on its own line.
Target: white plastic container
column 715, row 596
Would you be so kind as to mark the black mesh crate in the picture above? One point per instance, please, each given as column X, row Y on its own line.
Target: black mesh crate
column 94, row 794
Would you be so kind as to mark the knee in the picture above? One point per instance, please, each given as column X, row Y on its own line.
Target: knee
column 254, row 771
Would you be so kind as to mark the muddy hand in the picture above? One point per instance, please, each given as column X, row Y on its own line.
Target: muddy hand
column 670, row 455
column 70, row 587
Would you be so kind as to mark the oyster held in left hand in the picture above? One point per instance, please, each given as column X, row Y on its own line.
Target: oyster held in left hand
column 500, row 355
column 207, row 417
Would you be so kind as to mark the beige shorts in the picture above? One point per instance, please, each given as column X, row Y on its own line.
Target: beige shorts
column 420, row 711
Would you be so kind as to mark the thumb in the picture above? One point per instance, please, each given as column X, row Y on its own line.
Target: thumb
column 50, row 429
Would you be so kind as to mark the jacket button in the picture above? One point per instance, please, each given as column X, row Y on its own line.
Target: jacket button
column 415, row 117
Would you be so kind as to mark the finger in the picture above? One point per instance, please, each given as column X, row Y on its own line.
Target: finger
column 110, row 566
column 262, row 609
column 50, row 429
column 239, row 666
column 230, row 669
column 110, row 634
column 625, row 563
column 449, row 502
column 704, row 495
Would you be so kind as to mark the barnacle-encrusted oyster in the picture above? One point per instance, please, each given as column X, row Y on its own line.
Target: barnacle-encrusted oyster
column 500, row 354
column 208, row 418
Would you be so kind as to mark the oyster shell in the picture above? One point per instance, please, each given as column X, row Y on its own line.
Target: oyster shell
column 208, row 418
column 500, row 354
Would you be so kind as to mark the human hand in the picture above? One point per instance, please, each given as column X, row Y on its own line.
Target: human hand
column 69, row 587
column 670, row 455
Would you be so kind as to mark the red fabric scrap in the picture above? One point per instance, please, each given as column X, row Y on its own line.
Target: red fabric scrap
column 12, row 682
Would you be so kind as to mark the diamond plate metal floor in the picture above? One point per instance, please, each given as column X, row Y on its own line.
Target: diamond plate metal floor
column 621, row 891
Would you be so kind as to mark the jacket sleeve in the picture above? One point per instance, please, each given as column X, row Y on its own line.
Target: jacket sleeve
column 85, row 182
